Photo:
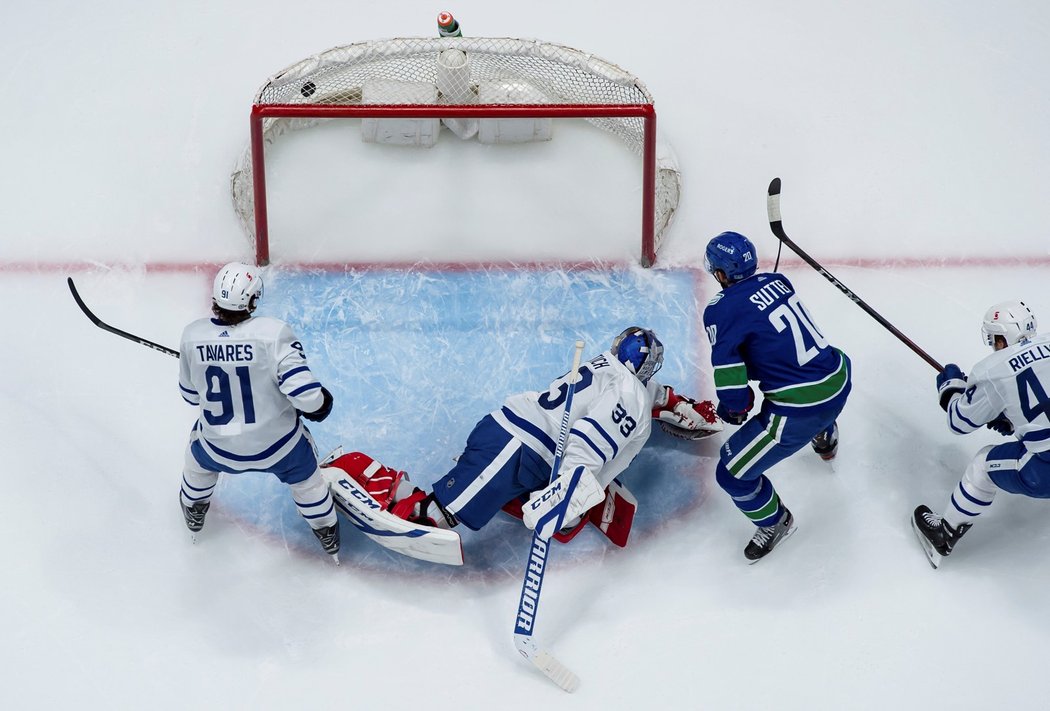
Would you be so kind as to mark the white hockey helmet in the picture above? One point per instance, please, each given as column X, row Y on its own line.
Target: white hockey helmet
column 1012, row 320
column 237, row 287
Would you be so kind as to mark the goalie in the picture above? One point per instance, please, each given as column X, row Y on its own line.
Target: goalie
column 509, row 454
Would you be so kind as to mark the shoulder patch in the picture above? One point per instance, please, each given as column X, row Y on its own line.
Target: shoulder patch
column 716, row 299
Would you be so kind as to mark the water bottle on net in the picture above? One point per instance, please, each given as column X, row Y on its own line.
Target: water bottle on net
column 448, row 26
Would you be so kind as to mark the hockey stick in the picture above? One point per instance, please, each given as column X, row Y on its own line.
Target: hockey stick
column 112, row 329
column 775, row 224
column 529, row 602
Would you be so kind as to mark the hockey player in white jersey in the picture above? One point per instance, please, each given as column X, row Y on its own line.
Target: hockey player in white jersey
column 509, row 454
column 249, row 378
column 1007, row 392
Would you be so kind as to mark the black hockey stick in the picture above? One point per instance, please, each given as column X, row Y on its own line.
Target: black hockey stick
column 775, row 224
column 106, row 327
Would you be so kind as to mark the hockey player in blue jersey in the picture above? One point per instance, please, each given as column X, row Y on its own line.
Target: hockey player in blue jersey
column 760, row 331
column 1007, row 392
column 249, row 379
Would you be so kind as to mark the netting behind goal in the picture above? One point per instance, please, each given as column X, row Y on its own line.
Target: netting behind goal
column 410, row 91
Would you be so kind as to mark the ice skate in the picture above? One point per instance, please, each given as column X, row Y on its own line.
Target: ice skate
column 194, row 516
column 935, row 536
column 329, row 538
column 826, row 444
column 766, row 538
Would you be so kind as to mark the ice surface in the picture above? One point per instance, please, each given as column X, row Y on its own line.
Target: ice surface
column 911, row 140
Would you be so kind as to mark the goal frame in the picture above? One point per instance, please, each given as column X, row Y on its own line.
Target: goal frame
column 406, row 91
column 262, row 112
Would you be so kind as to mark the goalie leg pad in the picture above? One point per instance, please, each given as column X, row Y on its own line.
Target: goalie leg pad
column 615, row 516
column 380, row 482
column 437, row 545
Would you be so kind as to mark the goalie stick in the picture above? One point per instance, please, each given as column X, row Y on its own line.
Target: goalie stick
column 529, row 601
column 776, row 224
column 113, row 329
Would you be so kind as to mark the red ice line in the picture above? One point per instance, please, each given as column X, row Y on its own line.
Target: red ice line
column 207, row 267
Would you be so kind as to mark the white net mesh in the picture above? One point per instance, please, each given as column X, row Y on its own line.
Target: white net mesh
column 460, row 71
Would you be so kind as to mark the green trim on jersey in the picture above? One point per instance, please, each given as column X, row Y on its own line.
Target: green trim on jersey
column 814, row 393
column 730, row 376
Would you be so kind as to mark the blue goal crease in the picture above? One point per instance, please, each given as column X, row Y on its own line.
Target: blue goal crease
column 414, row 359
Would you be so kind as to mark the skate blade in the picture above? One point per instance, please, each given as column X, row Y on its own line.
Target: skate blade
column 932, row 555
column 786, row 536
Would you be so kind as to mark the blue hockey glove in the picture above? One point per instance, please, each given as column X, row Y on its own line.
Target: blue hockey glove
column 736, row 417
column 733, row 418
column 1002, row 425
column 950, row 381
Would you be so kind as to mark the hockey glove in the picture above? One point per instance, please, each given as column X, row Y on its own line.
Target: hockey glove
column 567, row 498
column 1002, row 425
column 737, row 417
column 685, row 418
column 324, row 411
column 950, row 382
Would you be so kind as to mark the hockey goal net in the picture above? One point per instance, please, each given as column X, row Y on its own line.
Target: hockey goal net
column 493, row 90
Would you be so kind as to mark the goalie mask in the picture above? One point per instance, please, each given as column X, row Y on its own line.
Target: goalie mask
column 1012, row 320
column 640, row 350
column 238, row 287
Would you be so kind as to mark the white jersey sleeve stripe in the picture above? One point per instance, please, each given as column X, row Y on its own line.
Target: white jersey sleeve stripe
column 1036, row 436
column 305, row 388
column 604, row 434
column 587, row 440
column 293, row 371
column 965, row 427
column 189, row 395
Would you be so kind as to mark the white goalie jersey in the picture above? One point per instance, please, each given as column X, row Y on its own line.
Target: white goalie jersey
column 610, row 419
column 247, row 380
column 1014, row 382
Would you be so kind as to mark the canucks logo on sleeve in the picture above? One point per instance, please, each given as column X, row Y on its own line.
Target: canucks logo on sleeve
column 760, row 330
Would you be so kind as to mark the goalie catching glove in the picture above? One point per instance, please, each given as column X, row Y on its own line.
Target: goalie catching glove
column 686, row 418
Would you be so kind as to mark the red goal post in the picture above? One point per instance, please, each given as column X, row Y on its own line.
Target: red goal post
column 491, row 89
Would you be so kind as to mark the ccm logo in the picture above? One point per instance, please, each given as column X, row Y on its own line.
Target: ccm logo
column 356, row 493
column 538, row 501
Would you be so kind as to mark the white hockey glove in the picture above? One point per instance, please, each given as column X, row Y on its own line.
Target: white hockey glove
column 567, row 498
column 685, row 418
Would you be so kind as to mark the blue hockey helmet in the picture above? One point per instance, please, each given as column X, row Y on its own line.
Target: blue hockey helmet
column 640, row 350
column 734, row 254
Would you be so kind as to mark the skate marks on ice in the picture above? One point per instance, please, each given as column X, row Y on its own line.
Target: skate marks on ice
column 414, row 358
